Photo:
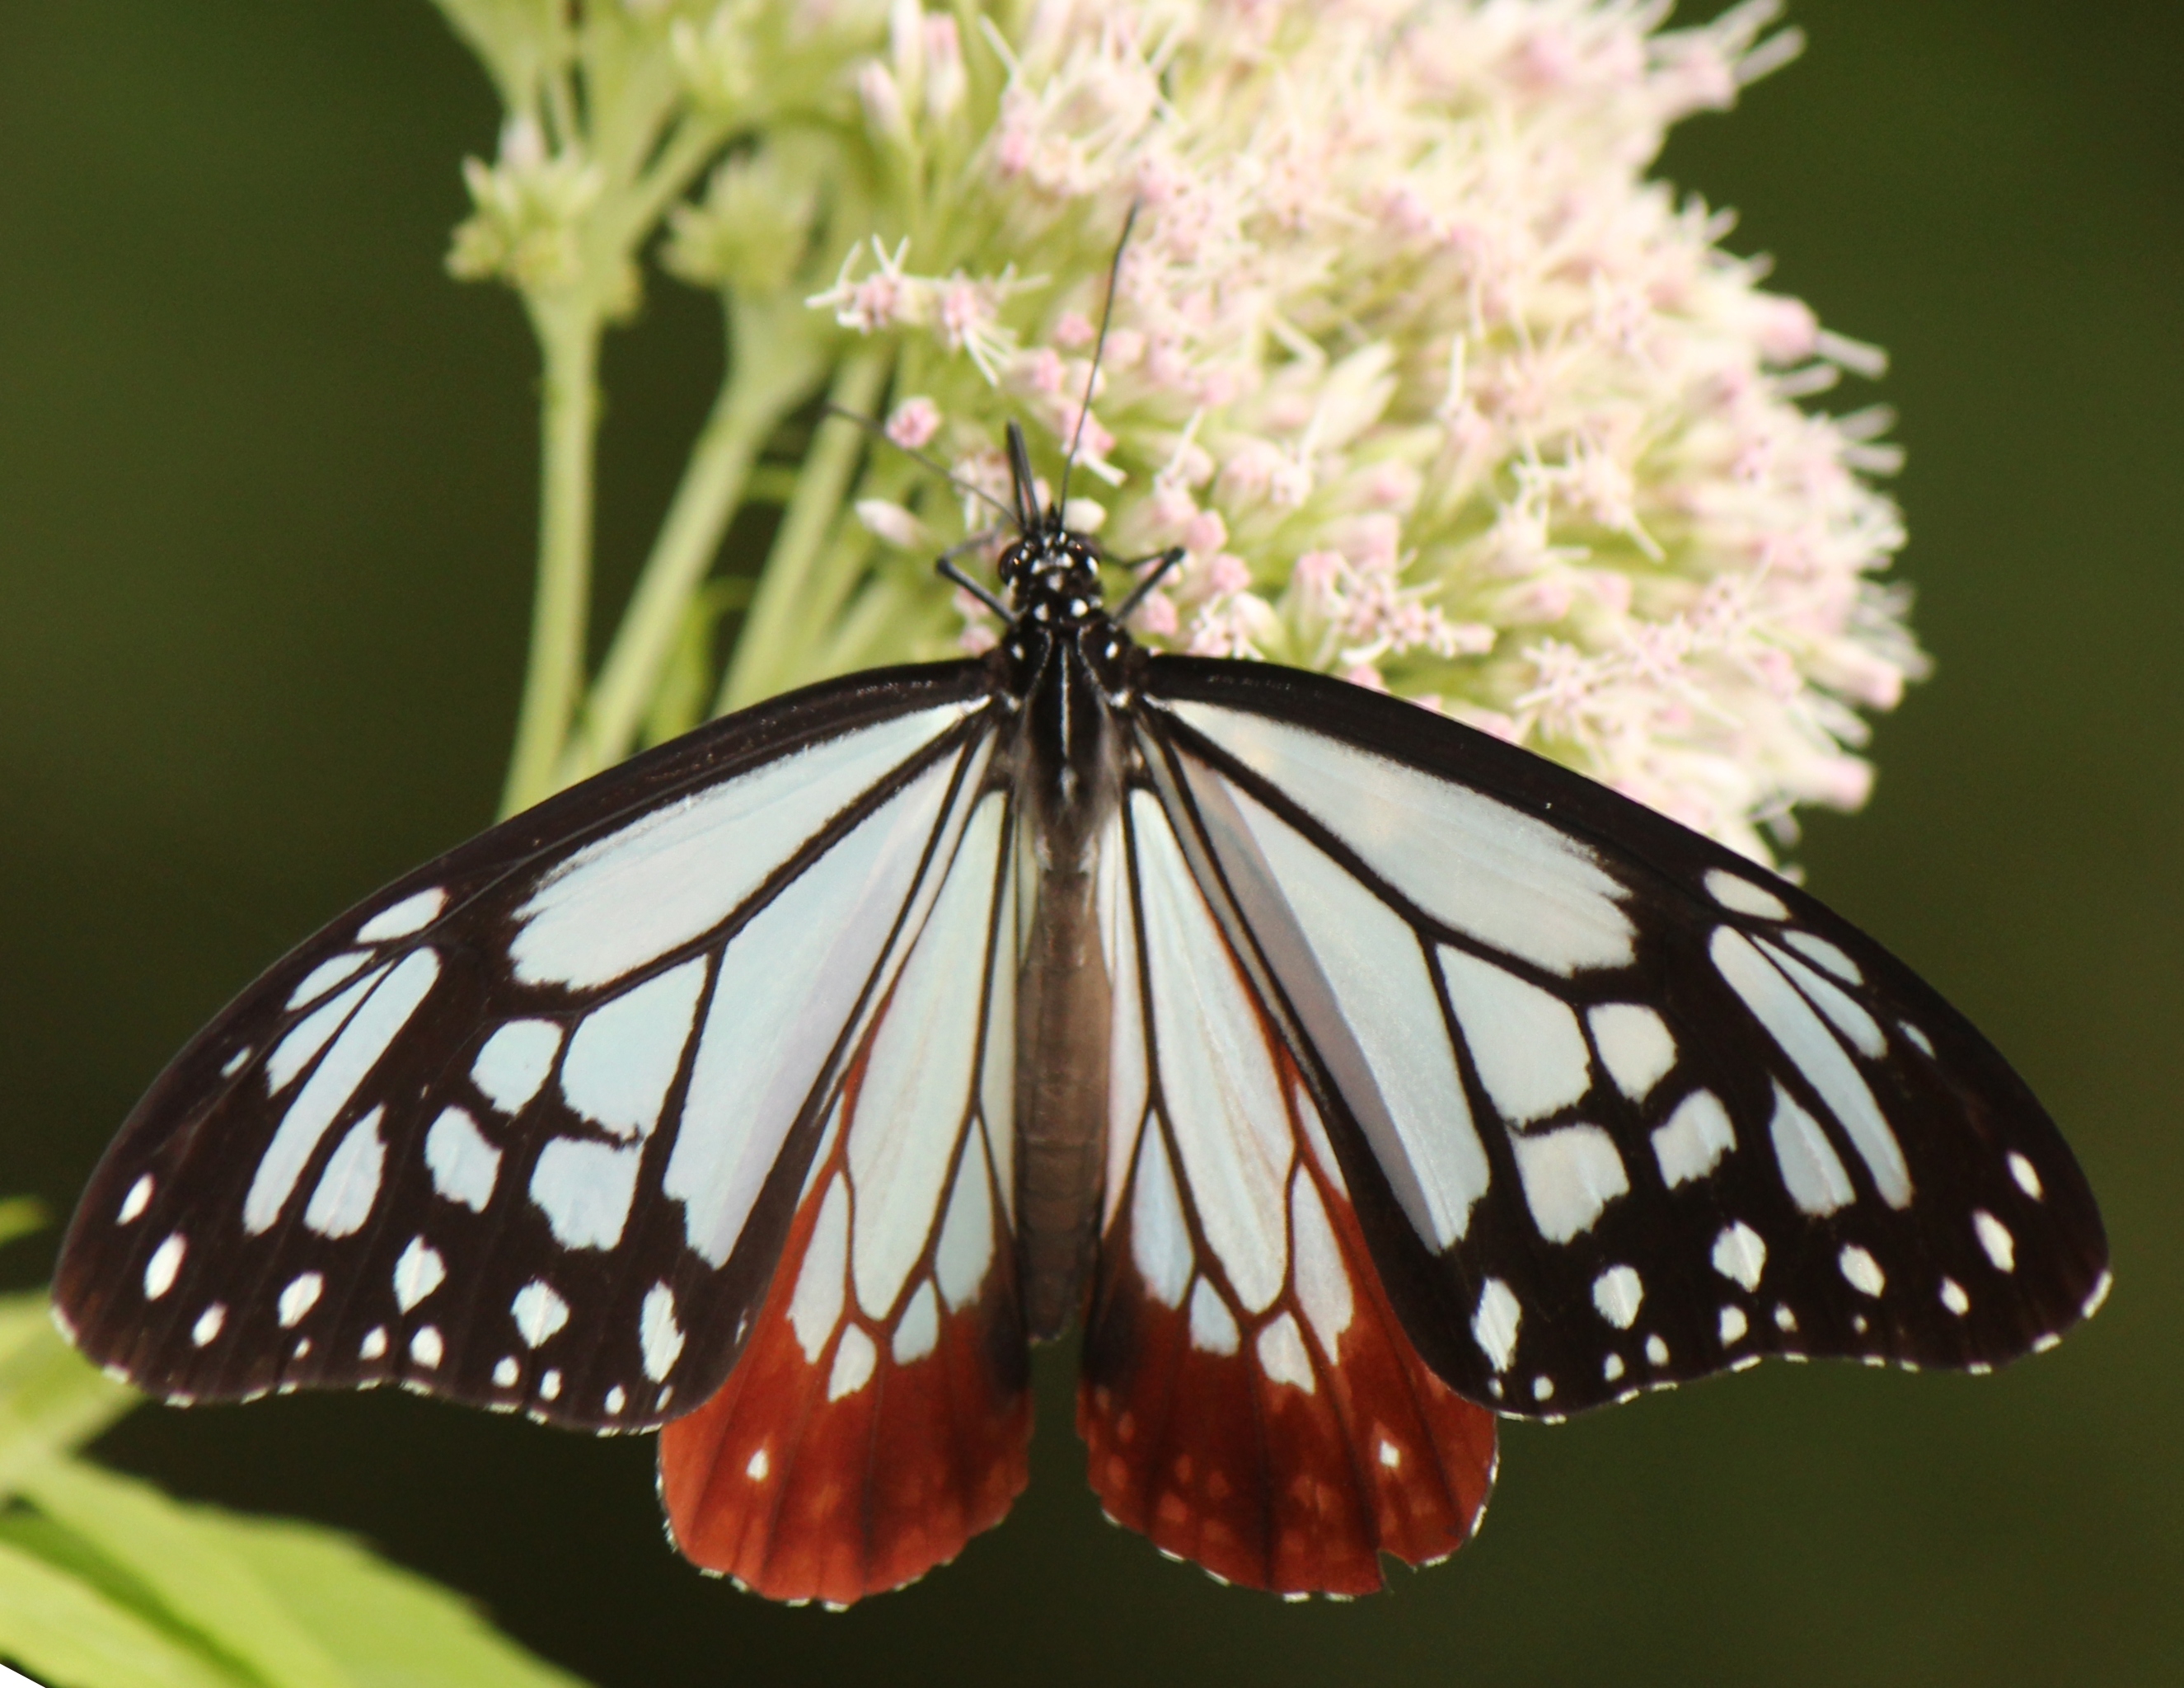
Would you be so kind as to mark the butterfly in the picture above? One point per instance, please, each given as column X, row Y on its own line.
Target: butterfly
column 1355, row 1078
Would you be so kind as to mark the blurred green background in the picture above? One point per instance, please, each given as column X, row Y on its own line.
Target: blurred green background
column 265, row 514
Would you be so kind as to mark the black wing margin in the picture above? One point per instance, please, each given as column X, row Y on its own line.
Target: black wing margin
column 526, row 1129
column 1618, row 1108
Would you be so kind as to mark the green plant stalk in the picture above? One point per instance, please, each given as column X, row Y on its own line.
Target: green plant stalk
column 777, row 630
column 568, row 331
column 777, row 365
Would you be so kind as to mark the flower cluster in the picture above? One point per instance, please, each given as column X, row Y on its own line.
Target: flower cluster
column 1437, row 390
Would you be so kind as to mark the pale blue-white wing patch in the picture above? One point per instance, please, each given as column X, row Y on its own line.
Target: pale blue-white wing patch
column 528, row 1128
column 1618, row 1109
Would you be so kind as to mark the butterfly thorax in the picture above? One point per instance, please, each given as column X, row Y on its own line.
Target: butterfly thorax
column 1061, row 665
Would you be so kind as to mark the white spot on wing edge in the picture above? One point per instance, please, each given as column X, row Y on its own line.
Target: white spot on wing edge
column 419, row 1271
column 166, row 1261
column 1494, row 1324
column 1861, row 1271
column 1734, row 891
column 855, row 1358
column 297, row 1297
column 658, row 1334
column 1617, row 1294
column 2097, row 1294
column 134, row 1204
column 1994, row 1237
column 1739, row 1255
column 538, row 1312
column 2028, row 1179
column 414, row 913
column 1213, row 1326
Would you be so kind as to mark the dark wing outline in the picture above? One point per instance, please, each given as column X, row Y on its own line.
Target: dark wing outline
column 182, row 1130
column 1963, row 1096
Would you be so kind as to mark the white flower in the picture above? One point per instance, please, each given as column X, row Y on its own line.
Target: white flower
column 1438, row 390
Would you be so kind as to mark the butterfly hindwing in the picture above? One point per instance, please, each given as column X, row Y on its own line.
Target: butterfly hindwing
column 880, row 1415
column 528, row 1129
column 1250, row 1400
column 1618, row 1108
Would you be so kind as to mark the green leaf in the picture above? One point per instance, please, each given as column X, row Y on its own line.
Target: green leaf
column 390, row 1627
column 190, row 1569
column 70, row 1634
column 19, row 1216
column 51, row 1398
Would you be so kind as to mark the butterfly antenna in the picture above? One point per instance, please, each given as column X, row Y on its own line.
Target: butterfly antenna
column 1099, row 349
column 1020, row 475
column 878, row 431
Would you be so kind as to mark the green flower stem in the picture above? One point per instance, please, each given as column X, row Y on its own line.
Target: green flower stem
column 769, row 656
column 778, row 363
column 568, row 332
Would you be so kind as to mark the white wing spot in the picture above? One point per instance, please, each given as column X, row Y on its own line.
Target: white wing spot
column 373, row 1345
column 538, row 1312
column 1529, row 1051
column 758, row 1466
column 234, row 1064
column 349, row 1185
column 2041, row 1344
column 1657, row 1352
column 1390, row 1455
column 1318, row 1275
column 506, row 1371
column 1733, row 891
column 309, row 1035
column 1635, row 1046
column 134, row 1204
column 417, row 1273
column 464, row 1165
column 658, row 1334
column 854, row 1357
column 966, row 1236
column 297, row 1297
column 1159, row 1243
column 412, row 914
column 1954, row 1298
column 1827, row 955
column 1282, row 1356
column 815, row 1308
column 1619, row 1293
column 375, row 1025
column 1543, row 1387
column 166, row 1261
column 303, row 1347
column 315, row 984
column 1611, row 1368
column 1213, row 1326
column 1733, row 1326
column 1739, row 1255
column 1861, row 1271
column 550, row 1386
column 1994, row 1237
column 1569, row 1176
column 584, row 1188
column 1784, row 1320
column 2028, row 1180
column 1812, row 1172
column 514, row 1063
column 623, row 1056
column 918, row 1329
column 425, row 1347
column 1698, row 1136
column 1916, row 1036
column 208, row 1324
column 1494, row 1325
column 617, row 1399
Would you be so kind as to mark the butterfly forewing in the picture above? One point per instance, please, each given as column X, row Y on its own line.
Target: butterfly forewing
column 528, row 1128
column 1618, row 1108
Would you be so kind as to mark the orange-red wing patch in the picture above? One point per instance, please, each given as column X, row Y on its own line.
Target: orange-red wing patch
column 848, row 1455
column 1284, row 1449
